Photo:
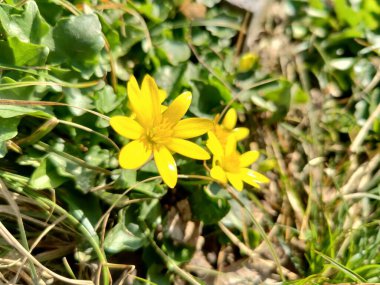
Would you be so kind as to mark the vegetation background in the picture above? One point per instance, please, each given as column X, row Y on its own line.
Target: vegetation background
column 302, row 74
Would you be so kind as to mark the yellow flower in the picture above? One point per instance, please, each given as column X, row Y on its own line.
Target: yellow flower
column 162, row 95
column 247, row 62
column 231, row 166
column 158, row 131
column 227, row 128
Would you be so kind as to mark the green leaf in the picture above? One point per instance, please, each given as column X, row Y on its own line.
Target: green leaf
column 79, row 40
column 298, row 95
column 361, row 112
column 96, row 156
column 125, row 178
column 16, row 52
column 9, row 111
column 344, row 63
column 45, row 176
column 21, row 93
column 169, row 78
column 208, row 97
column 221, row 32
column 8, row 128
column 3, row 149
column 340, row 120
column 200, row 37
column 126, row 235
column 207, row 207
column 150, row 212
column 347, row 271
column 156, row 274
column 179, row 253
column 209, row 3
column 106, row 100
column 28, row 26
column 274, row 97
column 175, row 51
column 156, row 11
column 85, row 208
column 346, row 14
column 75, row 97
column 85, row 179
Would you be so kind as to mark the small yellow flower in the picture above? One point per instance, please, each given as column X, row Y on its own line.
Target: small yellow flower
column 158, row 131
column 231, row 166
column 227, row 128
column 247, row 62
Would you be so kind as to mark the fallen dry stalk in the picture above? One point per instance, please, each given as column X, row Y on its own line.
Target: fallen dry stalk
column 8, row 237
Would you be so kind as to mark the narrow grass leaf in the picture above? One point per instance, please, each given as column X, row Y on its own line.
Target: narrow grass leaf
column 354, row 276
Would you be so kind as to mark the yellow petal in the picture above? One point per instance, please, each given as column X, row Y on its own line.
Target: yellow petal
column 240, row 133
column 249, row 157
column 187, row 148
column 236, row 180
column 134, row 155
column 135, row 100
column 216, row 119
column 230, row 146
column 126, row 127
column 151, row 100
column 218, row 174
column 166, row 166
column 230, row 119
column 214, row 145
column 162, row 95
column 178, row 108
column 252, row 177
column 193, row 127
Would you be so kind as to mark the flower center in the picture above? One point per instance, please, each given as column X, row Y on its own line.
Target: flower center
column 231, row 163
column 159, row 134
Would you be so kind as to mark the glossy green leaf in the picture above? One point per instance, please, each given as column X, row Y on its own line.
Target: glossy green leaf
column 126, row 235
column 3, row 149
column 22, row 93
column 45, row 176
column 27, row 25
column 9, row 111
column 155, row 11
column 78, row 40
column 207, row 207
column 208, row 96
column 209, row 3
column 157, row 274
column 19, row 53
column 75, row 97
column 85, row 208
column 179, row 252
column 8, row 128
column 298, row 95
column 175, row 51
column 106, row 100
